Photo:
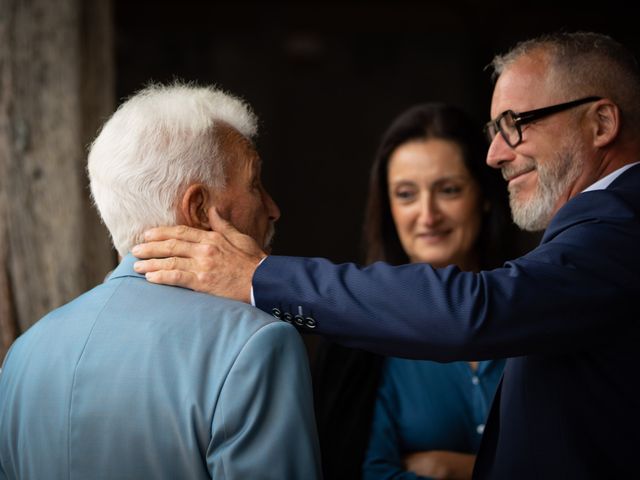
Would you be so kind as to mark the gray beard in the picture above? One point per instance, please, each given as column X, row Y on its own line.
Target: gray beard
column 554, row 179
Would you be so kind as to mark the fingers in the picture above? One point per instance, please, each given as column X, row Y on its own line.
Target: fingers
column 166, row 264
column 172, row 277
column 169, row 248
column 234, row 237
column 179, row 232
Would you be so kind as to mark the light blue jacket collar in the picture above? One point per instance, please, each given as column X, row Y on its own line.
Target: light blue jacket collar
column 125, row 269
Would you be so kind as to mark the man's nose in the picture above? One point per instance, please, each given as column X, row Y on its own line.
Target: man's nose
column 272, row 208
column 499, row 152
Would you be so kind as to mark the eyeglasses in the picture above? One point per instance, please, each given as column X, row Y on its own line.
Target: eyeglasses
column 509, row 123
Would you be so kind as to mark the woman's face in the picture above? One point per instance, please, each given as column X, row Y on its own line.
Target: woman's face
column 435, row 203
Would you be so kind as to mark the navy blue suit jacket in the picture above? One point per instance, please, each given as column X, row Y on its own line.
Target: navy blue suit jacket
column 567, row 314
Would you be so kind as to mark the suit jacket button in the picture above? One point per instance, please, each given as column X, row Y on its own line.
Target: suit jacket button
column 287, row 317
column 299, row 320
column 276, row 313
column 310, row 322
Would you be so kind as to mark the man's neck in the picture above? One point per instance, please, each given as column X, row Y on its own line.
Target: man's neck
column 610, row 162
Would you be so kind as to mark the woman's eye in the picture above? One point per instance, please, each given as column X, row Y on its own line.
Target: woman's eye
column 450, row 190
column 404, row 194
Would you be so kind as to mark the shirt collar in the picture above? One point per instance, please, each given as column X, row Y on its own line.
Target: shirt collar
column 606, row 181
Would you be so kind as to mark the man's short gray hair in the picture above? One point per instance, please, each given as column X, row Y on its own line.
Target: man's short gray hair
column 584, row 64
column 159, row 141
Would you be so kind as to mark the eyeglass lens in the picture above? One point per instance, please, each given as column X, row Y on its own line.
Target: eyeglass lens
column 507, row 125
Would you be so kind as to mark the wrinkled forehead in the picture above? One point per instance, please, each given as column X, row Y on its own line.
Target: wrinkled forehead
column 235, row 146
column 240, row 156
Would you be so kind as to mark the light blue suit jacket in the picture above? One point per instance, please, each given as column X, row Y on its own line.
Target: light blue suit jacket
column 137, row 381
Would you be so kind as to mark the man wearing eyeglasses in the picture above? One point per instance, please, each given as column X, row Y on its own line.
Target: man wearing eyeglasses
column 566, row 117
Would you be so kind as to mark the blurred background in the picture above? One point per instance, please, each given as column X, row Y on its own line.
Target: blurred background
column 324, row 78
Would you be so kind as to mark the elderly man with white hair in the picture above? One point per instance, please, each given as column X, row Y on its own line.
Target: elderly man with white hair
column 135, row 380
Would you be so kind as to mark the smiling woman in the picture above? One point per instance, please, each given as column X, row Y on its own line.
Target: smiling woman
column 432, row 199
column 443, row 206
column 435, row 203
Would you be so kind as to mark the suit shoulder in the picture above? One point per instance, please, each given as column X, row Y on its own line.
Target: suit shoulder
column 87, row 304
column 186, row 313
column 231, row 309
column 178, row 305
column 278, row 339
column 278, row 332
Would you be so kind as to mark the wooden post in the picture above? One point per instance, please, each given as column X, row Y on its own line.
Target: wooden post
column 56, row 88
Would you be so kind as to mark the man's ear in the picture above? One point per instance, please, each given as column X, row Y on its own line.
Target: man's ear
column 606, row 122
column 194, row 205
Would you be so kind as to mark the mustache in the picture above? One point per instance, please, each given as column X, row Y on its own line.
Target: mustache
column 509, row 171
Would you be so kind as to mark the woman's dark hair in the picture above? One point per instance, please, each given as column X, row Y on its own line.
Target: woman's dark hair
column 441, row 121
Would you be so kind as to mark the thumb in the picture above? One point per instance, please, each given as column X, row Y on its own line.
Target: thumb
column 219, row 224
column 232, row 235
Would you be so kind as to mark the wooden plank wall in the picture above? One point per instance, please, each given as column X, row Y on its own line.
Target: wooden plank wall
column 56, row 88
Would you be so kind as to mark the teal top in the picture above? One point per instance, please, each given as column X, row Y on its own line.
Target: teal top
column 425, row 405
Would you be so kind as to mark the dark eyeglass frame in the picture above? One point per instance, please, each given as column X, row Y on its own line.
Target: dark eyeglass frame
column 518, row 119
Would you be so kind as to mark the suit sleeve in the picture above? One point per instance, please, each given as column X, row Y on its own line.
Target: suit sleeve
column 565, row 295
column 263, row 426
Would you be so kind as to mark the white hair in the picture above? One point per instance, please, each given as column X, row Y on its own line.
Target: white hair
column 158, row 142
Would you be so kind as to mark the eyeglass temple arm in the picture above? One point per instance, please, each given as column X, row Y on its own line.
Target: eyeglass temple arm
column 542, row 112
